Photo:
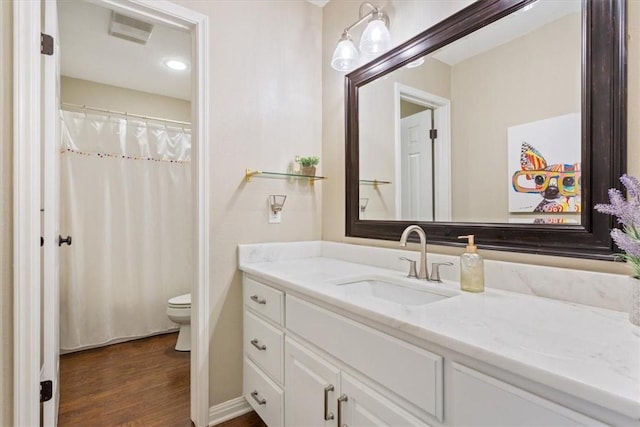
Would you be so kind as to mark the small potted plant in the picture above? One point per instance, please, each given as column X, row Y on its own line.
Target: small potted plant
column 309, row 165
column 627, row 238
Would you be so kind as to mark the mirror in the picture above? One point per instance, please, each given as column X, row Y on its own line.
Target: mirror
column 502, row 105
column 485, row 124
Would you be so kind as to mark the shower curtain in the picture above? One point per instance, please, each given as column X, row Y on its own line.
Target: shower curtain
column 125, row 199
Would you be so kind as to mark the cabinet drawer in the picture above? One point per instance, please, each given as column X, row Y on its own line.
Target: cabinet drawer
column 263, row 344
column 264, row 300
column 481, row 400
column 264, row 396
column 411, row 372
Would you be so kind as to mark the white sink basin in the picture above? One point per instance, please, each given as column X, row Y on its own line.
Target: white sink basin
column 388, row 291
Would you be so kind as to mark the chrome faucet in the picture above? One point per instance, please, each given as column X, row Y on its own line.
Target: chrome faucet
column 423, row 273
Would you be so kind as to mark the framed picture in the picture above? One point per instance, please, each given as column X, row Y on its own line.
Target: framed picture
column 544, row 166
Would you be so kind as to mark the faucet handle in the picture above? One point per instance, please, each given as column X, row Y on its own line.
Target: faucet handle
column 435, row 271
column 412, row 267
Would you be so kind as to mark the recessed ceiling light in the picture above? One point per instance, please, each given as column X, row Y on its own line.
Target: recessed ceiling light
column 175, row 64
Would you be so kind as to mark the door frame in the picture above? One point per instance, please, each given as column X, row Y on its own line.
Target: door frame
column 442, row 152
column 27, row 74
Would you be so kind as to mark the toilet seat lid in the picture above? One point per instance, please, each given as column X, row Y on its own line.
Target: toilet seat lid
column 181, row 300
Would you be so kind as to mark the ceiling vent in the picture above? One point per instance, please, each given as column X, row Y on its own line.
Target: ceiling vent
column 129, row 28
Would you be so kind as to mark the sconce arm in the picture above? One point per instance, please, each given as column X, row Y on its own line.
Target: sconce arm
column 374, row 11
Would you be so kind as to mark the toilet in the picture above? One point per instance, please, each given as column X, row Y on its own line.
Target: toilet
column 179, row 311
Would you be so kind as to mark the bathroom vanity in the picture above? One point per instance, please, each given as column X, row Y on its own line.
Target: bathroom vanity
column 331, row 342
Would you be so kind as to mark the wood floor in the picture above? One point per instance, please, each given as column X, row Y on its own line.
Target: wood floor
column 249, row 420
column 138, row 383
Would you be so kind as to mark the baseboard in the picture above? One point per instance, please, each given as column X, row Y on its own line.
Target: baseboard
column 228, row 410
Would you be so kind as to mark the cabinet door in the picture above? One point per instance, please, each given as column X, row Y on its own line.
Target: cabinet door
column 480, row 400
column 365, row 407
column 309, row 380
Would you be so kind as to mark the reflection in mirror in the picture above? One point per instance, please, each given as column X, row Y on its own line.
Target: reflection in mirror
column 486, row 129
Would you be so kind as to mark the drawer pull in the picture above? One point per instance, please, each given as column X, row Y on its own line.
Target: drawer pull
column 341, row 399
column 258, row 300
column 261, row 401
column 256, row 344
column 327, row 415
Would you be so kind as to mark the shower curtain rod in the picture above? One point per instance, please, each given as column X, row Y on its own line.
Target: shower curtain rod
column 123, row 113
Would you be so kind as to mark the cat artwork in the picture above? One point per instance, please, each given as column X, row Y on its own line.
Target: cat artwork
column 558, row 185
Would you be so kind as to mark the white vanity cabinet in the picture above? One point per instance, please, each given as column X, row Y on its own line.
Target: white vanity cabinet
column 305, row 365
column 263, row 371
column 405, row 376
column 378, row 379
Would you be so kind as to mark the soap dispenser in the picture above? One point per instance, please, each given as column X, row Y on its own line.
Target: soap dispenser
column 471, row 267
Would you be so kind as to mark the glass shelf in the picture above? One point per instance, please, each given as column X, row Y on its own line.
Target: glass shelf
column 280, row 175
column 374, row 182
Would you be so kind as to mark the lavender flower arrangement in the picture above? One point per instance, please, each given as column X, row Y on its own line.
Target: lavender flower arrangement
column 627, row 212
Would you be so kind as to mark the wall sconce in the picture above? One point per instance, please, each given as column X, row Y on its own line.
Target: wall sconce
column 375, row 39
column 276, row 202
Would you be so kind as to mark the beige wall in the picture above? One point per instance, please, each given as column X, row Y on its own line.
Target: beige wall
column 6, row 232
column 83, row 92
column 265, row 109
column 531, row 78
column 340, row 13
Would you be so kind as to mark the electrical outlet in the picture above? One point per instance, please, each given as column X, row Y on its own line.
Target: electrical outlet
column 275, row 217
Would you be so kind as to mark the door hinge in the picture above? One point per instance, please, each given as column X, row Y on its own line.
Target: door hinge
column 433, row 133
column 46, row 390
column 46, row 44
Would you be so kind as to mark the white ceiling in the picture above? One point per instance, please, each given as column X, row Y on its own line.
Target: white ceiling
column 504, row 30
column 88, row 52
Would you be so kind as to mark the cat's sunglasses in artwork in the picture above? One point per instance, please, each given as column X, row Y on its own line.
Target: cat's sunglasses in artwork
column 535, row 181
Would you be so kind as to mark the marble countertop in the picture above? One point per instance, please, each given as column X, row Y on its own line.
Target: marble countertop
column 591, row 353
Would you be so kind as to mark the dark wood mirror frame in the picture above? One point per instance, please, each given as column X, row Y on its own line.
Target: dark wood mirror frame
column 603, row 134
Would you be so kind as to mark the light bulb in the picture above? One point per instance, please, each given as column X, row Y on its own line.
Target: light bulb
column 376, row 38
column 345, row 57
column 175, row 64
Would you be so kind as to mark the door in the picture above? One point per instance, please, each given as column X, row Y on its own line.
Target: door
column 50, row 318
column 311, row 388
column 417, row 167
column 363, row 407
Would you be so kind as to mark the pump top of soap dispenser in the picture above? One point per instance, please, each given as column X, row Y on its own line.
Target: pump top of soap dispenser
column 470, row 246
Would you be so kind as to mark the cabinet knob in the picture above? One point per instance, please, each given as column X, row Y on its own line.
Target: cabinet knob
column 258, row 300
column 257, row 398
column 257, row 344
